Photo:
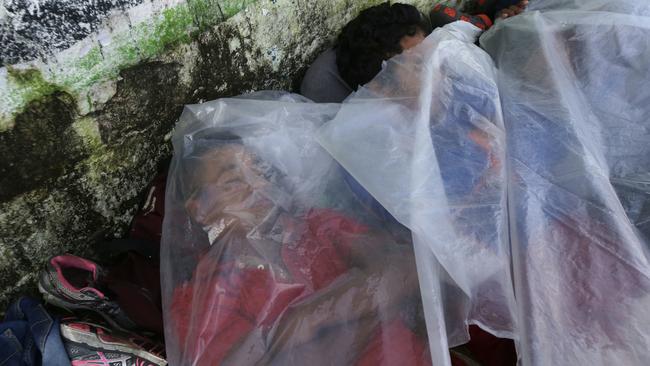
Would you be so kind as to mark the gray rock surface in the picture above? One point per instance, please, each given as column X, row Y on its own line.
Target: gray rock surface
column 31, row 29
column 82, row 130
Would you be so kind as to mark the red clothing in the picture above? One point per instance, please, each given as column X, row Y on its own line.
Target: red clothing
column 225, row 301
column 227, row 305
column 320, row 255
column 442, row 14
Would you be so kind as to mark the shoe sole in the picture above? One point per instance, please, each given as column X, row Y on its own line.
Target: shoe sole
column 57, row 301
column 91, row 340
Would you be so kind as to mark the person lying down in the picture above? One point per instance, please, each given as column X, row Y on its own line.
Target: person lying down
column 283, row 285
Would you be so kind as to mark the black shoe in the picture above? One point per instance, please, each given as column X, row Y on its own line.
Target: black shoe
column 72, row 283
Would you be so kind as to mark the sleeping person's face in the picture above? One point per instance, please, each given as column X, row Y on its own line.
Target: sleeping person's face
column 229, row 188
column 408, row 42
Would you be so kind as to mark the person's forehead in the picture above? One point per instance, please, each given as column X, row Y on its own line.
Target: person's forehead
column 224, row 152
column 222, row 156
column 408, row 42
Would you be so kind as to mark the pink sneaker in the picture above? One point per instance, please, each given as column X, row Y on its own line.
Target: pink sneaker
column 90, row 344
column 72, row 283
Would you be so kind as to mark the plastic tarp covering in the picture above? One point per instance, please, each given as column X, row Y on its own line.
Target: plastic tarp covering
column 573, row 84
column 426, row 139
column 527, row 170
column 267, row 256
column 506, row 185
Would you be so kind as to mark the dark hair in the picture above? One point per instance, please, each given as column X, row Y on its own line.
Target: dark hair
column 374, row 36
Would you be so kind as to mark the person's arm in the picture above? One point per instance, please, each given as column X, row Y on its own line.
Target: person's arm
column 374, row 294
column 382, row 274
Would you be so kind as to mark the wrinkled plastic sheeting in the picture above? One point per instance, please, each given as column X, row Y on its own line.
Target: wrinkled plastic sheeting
column 548, row 156
column 573, row 86
column 426, row 139
column 524, row 179
column 266, row 256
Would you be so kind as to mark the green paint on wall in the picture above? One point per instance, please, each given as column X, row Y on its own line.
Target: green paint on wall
column 174, row 27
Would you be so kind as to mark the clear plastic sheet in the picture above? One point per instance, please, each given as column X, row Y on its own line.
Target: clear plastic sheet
column 516, row 177
column 268, row 258
column 426, row 139
column 551, row 200
column 573, row 86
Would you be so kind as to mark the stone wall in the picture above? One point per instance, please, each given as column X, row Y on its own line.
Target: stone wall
column 86, row 113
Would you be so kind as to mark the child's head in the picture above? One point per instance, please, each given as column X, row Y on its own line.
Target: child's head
column 375, row 35
column 229, row 183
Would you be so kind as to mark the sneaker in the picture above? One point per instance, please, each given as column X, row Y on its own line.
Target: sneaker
column 92, row 344
column 71, row 283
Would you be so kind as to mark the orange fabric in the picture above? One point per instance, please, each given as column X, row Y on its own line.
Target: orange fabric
column 486, row 19
column 450, row 12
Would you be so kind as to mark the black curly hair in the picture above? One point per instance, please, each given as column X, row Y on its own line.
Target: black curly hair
column 374, row 36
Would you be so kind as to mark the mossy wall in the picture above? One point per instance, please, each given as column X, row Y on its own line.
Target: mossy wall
column 82, row 130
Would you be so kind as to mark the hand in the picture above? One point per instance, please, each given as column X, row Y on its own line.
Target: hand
column 512, row 10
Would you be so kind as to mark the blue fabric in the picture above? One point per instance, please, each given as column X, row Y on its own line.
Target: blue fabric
column 29, row 335
column 366, row 199
column 462, row 162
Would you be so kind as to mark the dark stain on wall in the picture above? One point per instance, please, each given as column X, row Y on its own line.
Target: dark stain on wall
column 40, row 147
column 154, row 85
column 34, row 29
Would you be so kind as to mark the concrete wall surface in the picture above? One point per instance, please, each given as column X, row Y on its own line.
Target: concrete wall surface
column 90, row 91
